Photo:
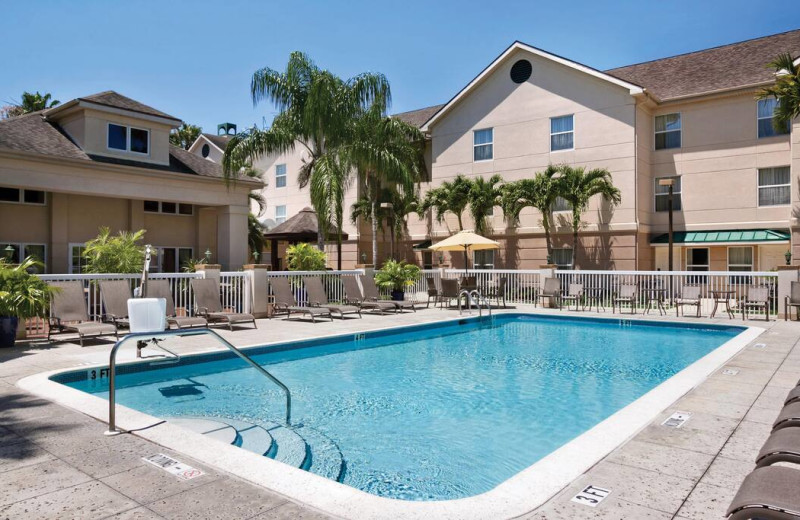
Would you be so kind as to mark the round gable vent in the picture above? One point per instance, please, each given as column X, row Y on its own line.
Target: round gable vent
column 521, row 71
column 206, row 150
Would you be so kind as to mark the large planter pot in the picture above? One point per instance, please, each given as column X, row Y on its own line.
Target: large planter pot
column 8, row 330
column 398, row 296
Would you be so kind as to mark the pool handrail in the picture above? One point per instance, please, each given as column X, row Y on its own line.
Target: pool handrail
column 144, row 336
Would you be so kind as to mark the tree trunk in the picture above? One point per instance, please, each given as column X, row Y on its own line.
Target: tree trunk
column 320, row 235
column 576, row 222
column 339, row 251
column 547, row 239
column 374, row 209
column 460, row 224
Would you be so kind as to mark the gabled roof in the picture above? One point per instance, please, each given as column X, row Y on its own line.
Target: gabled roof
column 728, row 67
column 418, row 117
column 220, row 141
column 112, row 99
column 517, row 45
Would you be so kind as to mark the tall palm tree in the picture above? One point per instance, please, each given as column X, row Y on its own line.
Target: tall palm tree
column 256, row 240
column 539, row 192
column 450, row 196
column 33, row 102
column 316, row 111
column 483, row 197
column 786, row 90
column 185, row 135
column 577, row 186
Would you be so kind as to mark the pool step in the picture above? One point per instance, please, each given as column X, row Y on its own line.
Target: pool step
column 252, row 437
column 218, row 430
column 290, row 448
column 326, row 459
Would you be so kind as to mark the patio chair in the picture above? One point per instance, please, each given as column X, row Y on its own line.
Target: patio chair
column 286, row 302
column 793, row 396
column 690, row 295
column 209, row 305
column 68, row 313
column 469, row 283
column 789, row 417
column 498, row 292
column 767, row 493
column 450, row 290
column 160, row 289
column 625, row 294
column 433, row 292
column 354, row 296
column 792, row 300
column 115, row 295
column 574, row 293
column 318, row 298
column 371, row 293
column 782, row 446
column 552, row 291
column 757, row 297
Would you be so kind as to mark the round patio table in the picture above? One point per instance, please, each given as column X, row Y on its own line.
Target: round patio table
column 722, row 296
column 654, row 294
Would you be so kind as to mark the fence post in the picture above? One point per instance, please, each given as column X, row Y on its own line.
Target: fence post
column 256, row 281
column 786, row 275
column 209, row 270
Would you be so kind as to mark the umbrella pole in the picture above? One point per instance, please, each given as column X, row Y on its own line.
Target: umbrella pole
column 466, row 261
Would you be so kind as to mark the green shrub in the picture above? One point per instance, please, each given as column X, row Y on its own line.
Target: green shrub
column 121, row 253
column 23, row 294
column 305, row 257
column 396, row 275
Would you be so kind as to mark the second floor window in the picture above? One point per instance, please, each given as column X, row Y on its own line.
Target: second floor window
column 561, row 204
column 766, row 112
column 483, row 144
column 280, row 175
column 774, row 186
column 128, row 139
column 668, row 131
column 561, row 133
column 662, row 194
column 20, row 196
column 280, row 214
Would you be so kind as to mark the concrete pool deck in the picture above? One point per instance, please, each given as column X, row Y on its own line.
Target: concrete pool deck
column 56, row 463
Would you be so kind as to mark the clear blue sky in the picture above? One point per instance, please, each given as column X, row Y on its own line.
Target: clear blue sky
column 194, row 59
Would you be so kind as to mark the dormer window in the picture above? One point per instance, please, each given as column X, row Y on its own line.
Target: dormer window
column 128, row 139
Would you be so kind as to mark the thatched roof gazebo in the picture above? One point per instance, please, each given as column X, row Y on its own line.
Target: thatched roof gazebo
column 302, row 227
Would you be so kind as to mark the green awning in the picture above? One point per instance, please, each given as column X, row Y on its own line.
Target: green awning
column 422, row 246
column 723, row 237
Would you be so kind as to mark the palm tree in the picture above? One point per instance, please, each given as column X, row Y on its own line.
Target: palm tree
column 539, row 192
column 786, row 90
column 185, row 135
column 577, row 186
column 483, row 197
column 256, row 240
column 316, row 112
column 34, row 102
column 450, row 197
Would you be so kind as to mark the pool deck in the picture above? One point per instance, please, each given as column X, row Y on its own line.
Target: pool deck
column 56, row 462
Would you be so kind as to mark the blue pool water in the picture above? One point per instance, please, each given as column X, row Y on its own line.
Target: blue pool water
column 432, row 412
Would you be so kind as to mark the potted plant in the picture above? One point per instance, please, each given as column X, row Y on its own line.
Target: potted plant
column 396, row 276
column 22, row 295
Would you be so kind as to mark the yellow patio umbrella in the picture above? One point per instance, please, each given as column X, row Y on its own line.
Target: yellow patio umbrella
column 465, row 241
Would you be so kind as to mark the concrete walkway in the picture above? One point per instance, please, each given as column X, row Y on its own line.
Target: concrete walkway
column 55, row 463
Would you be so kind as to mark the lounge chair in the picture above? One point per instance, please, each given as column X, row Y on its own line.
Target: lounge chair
column 450, row 291
column 794, row 396
column 209, row 305
column 575, row 293
column 782, row 446
column 160, row 289
column 286, row 302
column 757, row 297
column 690, row 295
column 789, row 417
column 433, row 292
column 115, row 295
column 318, row 298
column 372, row 294
column 792, row 300
column 552, row 291
column 767, row 493
column 625, row 294
column 68, row 313
column 498, row 292
column 354, row 296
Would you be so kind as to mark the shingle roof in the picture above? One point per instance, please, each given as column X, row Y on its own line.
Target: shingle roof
column 418, row 117
column 113, row 99
column 220, row 141
column 303, row 226
column 726, row 67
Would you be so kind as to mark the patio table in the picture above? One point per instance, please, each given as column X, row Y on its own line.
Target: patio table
column 722, row 296
column 654, row 294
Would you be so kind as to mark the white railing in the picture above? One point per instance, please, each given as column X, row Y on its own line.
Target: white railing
column 419, row 291
column 331, row 281
column 522, row 285
column 235, row 291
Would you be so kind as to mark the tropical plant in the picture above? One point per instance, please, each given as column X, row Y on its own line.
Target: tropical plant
column 30, row 103
column 305, row 257
column 577, row 186
column 184, row 136
column 450, row 196
column 120, row 253
column 483, row 197
column 23, row 295
column 190, row 265
column 395, row 217
column 396, row 275
column 786, row 90
column 256, row 240
column 316, row 112
column 539, row 192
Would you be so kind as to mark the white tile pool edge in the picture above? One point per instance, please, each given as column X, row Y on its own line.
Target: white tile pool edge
column 516, row 496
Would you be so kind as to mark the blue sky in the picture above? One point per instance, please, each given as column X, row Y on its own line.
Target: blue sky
column 194, row 59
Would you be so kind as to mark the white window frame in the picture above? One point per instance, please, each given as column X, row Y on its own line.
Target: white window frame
column 561, row 133
column 278, row 176
column 759, row 186
column 759, row 119
column 483, row 265
column 128, row 139
column 177, row 209
column 21, row 198
column 752, row 258
column 674, row 194
column 656, row 132
column 563, row 266
column 279, row 216
column 490, row 143
column 69, row 254
column 708, row 256
column 22, row 246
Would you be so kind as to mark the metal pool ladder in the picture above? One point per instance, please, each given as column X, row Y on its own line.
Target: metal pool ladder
column 151, row 336
column 479, row 298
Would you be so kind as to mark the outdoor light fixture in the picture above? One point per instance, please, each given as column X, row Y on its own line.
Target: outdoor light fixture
column 256, row 255
column 208, row 256
column 441, row 258
column 788, row 256
column 363, row 258
column 9, row 251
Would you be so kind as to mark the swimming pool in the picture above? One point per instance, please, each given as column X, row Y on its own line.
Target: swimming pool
column 432, row 412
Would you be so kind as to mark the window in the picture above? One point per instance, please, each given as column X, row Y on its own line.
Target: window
column 483, row 142
column 128, row 139
column 22, row 251
column 280, row 175
column 20, row 196
column 169, row 208
column 668, row 131
column 774, row 186
column 766, row 111
column 483, row 259
column 185, row 209
column 740, row 258
column 561, row 133
column 662, row 194
column 205, row 150
column 562, row 258
column 280, row 214
column 77, row 263
column 170, row 259
column 561, row 204
column 697, row 259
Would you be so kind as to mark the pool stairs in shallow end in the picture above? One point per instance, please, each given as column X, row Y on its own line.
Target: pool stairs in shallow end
column 301, row 447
